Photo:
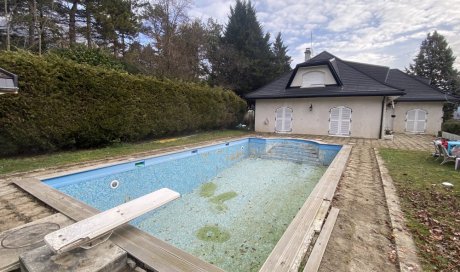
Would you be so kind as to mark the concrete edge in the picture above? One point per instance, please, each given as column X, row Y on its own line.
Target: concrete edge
column 54, row 171
column 405, row 246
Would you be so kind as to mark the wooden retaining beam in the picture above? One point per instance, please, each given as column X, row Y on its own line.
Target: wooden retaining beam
column 293, row 245
column 316, row 255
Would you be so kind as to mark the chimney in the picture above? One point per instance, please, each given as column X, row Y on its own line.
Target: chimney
column 307, row 54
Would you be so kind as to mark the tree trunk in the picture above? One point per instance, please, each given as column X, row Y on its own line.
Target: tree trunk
column 88, row 24
column 7, row 18
column 115, row 46
column 32, row 21
column 72, row 20
column 40, row 28
column 123, row 45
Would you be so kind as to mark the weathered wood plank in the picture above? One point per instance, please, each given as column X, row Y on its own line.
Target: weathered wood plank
column 314, row 260
column 319, row 219
column 289, row 251
column 153, row 252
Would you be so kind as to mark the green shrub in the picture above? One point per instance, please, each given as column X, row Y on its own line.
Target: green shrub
column 64, row 105
column 92, row 56
column 451, row 126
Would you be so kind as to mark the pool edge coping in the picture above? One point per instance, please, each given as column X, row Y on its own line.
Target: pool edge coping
column 38, row 177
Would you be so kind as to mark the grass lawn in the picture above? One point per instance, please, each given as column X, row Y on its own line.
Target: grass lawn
column 10, row 165
column 432, row 211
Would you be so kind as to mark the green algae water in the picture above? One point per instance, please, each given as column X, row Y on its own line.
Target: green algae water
column 234, row 220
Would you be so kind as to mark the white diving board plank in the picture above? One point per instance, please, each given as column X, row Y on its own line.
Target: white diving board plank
column 94, row 227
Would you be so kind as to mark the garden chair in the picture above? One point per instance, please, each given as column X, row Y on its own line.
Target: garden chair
column 437, row 152
column 445, row 155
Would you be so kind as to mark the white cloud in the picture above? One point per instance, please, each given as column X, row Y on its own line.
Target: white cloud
column 381, row 32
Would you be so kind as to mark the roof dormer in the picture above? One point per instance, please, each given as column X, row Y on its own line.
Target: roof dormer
column 313, row 75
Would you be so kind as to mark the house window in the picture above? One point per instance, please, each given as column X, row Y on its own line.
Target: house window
column 416, row 121
column 313, row 79
column 283, row 119
column 340, row 121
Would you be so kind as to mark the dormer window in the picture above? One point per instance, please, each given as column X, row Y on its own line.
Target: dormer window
column 313, row 79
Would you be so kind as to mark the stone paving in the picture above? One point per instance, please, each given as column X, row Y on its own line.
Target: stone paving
column 362, row 234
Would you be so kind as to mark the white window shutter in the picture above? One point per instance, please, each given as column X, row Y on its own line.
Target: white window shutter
column 334, row 121
column 279, row 119
column 340, row 121
column 420, row 122
column 313, row 79
column 416, row 121
column 345, row 121
column 283, row 119
column 410, row 120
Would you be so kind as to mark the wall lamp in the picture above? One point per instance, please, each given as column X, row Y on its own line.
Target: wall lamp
column 311, row 107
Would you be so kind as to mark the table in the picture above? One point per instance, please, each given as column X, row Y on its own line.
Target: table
column 451, row 144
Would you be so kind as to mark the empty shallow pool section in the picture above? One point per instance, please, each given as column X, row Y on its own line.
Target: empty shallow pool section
column 237, row 198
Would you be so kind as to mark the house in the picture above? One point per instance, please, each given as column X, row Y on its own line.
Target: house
column 8, row 82
column 326, row 95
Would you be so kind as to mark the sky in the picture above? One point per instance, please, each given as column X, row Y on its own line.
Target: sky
column 383, row 32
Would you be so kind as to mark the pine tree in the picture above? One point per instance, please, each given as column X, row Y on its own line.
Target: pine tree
column 435, row 61
column 247, row 59
column 282, row 62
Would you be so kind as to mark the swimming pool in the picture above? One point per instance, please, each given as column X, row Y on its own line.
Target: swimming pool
column 237, row 197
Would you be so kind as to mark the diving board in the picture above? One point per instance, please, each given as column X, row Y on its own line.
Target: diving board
column 101, row 224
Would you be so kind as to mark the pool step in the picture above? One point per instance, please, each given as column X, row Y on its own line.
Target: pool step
column 314, row 161
column 293, row 152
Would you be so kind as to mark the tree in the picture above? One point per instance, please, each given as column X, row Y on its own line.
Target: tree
column 116, row 21
column 248, row 59
column 164, row 18
column 282, row 62
column 435, row 61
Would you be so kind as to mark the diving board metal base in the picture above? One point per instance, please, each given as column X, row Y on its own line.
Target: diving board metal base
column 101, row 224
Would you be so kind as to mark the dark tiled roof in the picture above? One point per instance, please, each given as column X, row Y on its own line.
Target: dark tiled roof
column 356, row 79
column 415, row 89
column 376, row 71
column 352, row 83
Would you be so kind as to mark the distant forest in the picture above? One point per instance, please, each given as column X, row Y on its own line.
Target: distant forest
column 156, row 38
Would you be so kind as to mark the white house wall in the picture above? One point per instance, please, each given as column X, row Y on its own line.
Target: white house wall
column 366, row 114
column 328, row 78
column 434, row 117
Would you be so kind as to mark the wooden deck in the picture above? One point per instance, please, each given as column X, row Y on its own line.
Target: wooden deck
column 293, row 245
column 153, row 252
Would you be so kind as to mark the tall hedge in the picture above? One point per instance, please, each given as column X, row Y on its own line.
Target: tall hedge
column 451, row 126
column 63, row 105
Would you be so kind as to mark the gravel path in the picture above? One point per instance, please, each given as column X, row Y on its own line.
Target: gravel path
column 361, row 239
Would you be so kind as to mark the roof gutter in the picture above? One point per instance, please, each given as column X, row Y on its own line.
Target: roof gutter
column 381, row 117
column 322, row 95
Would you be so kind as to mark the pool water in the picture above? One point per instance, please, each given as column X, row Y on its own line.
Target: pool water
column 236, row 233
column 236, row 201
